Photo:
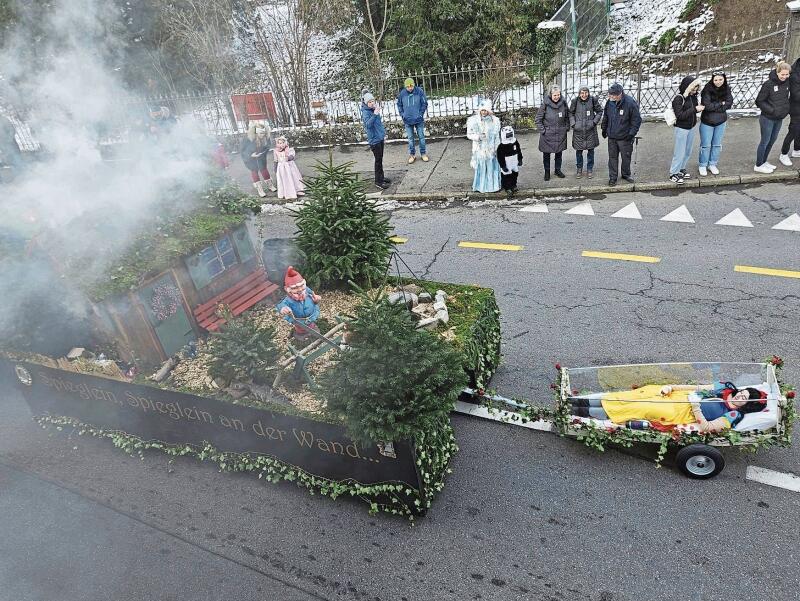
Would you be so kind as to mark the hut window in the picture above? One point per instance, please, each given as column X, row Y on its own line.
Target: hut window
column 217, row 258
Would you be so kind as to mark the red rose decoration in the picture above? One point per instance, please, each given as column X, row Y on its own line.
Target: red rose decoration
column 553, row 386
column 481, row 391
column 790, row 394
column 575, row 392
column 558, row 366
column 611, row 430
column 576, row 421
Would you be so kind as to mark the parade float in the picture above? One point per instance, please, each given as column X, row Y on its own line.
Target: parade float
column 194, row 359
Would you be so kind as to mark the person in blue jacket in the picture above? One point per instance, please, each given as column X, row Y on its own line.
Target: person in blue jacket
column 620, row 124
column 301, row 305
column 373, row 126
column 412, row 104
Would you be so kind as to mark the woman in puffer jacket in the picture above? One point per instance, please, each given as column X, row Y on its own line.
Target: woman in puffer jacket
column 552, row 121
column 716, row 97
column 773, row 100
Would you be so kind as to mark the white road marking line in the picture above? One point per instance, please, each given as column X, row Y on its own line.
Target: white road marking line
column 736, row 218
column 773, row 478
column 681, row 215
column 628, row 212
column 539, row 207
column 585, row 208
column 497, row 415
column 791, row 223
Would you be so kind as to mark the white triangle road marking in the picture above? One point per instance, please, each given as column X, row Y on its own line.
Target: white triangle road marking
column 735, row 217
column 539, row 207
column 681, row 215
column 791, row 223
column 585, row 208
column 628, row 212
column 773, row 478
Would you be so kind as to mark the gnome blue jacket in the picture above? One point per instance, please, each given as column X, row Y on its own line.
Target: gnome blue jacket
column 372, row 125
column 412, row 105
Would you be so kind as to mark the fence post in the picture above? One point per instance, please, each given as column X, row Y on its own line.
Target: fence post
column 793, row 33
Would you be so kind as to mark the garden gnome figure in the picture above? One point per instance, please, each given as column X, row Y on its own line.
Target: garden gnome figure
column 301, row 305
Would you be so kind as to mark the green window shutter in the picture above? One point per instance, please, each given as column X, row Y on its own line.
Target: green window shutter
column 198, row 270
column 244, row 246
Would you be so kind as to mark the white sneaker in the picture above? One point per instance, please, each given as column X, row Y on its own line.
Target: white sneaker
column 785, row 160
column 702, row 171
column 796, row 154
column 713, row 169
column 762, row 169
column 770, row 166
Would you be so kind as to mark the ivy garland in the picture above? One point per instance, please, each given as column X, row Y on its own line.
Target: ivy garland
column 165, row 301
column 434, row 451
column 598, row 437
column 482, row 346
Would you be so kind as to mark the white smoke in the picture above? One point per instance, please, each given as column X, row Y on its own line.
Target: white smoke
column 60, row 70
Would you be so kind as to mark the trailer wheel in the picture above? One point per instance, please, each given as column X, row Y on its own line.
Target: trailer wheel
column 700, row 461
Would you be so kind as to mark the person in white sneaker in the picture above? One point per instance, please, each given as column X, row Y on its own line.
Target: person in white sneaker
column 793, row 135
column 773, row 100
column 716, row 97
column 687, row 108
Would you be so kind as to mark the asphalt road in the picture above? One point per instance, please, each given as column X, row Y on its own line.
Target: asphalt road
column 525, row 515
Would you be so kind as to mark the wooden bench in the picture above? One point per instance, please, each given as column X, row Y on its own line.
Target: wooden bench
column 238, row 299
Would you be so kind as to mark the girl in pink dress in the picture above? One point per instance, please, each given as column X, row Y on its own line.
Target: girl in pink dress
column 290, row 184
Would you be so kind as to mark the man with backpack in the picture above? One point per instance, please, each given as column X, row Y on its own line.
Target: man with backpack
column 620, row 124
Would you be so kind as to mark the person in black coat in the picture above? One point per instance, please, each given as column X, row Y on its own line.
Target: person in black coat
column 620, row 124
column 509, row 155
column 717, row 98
column 686, row 106
column 793, row 135
column 773, row 100
column 584, row 115
column 552, row 121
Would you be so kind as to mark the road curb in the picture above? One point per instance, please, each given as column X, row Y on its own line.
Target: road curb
column 570, row 192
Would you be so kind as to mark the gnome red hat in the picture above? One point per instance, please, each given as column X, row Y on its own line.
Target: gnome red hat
column 292, row 277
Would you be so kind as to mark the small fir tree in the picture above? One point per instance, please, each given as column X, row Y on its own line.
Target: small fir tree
column 395, row 382
column 241, row 349
column 342, row 234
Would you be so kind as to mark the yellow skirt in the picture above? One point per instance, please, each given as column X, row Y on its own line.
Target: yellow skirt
column 627, row 405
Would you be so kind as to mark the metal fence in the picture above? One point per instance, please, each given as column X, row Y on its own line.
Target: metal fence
column 653, row 77
column 650, row 77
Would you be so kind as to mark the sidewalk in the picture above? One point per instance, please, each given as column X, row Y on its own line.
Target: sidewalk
column 448, row 173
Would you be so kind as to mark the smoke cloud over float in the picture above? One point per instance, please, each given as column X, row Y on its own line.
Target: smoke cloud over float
column 59, row 70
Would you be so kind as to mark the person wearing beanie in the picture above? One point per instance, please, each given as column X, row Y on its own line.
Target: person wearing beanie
column 585, row 113
column 620, row 124
column 376, row 133
column 687, row 108
column 412, row 104
column 483, row 128
column 301, row 305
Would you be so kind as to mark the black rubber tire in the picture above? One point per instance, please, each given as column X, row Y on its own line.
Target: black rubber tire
column 700, row 461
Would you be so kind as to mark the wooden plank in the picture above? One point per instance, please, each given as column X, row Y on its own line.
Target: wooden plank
column 212, row 322
column 211, row 304
column 238, row 297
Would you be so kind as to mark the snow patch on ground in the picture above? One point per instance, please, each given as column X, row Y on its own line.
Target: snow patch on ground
column 636, row 20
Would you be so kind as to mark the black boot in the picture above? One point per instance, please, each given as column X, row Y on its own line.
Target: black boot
column 547, row 175
column 558, row 173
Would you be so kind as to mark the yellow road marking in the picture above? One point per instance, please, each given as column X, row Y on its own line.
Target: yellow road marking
column 398, row 239
column 489, row 246
column 620, row 256
column 781, row 273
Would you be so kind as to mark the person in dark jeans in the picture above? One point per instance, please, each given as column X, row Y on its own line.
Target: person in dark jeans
column 620, row 124
column 373, row 126
column 773, row 100
column 793, row 135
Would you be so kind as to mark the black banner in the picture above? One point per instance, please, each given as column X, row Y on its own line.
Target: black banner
column 318, row 448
